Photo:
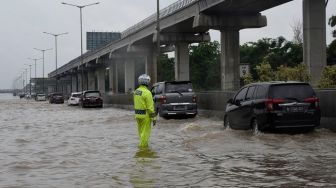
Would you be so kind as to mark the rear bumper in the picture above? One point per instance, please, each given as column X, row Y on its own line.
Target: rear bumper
column 92, row 104
column 179, row 109
column 298, row 120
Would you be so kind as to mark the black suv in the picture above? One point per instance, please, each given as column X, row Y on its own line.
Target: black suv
column 263, row 106
column 174, row 98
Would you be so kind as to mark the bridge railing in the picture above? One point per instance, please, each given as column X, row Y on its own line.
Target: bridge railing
column 163, row 13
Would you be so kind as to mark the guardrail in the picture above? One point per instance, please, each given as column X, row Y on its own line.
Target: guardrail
column 179, row 5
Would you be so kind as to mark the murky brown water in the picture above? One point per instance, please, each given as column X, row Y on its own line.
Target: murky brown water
column 43, row 145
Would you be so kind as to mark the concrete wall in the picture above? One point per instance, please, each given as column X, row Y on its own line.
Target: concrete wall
column 213, row 104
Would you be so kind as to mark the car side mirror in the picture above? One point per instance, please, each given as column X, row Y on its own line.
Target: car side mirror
column 230, row 101
column 237, row 102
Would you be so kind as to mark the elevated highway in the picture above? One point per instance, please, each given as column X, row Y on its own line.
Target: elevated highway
column 183, row 23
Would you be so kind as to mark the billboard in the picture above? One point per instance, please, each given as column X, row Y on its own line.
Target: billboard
column 95, row 40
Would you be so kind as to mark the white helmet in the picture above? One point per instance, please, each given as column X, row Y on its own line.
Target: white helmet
column 144, row 79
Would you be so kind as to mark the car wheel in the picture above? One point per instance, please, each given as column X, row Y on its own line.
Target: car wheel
column 255, row 126
column 226, row 122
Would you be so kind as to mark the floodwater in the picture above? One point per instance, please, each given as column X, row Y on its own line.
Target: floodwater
column 43, row 145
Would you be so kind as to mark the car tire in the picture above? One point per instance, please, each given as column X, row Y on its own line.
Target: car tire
column 226, row 123
column 255, row 126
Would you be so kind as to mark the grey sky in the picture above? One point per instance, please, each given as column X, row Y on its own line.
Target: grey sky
column 24, row 21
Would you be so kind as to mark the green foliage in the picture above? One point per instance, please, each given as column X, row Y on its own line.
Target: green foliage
column 298, row 73
column 205, row 66
column 328, row 79
column 331, row 53
column 247, row 79
column 265, row 72
column 166, row 68
column 332, row 21
column 275, row 52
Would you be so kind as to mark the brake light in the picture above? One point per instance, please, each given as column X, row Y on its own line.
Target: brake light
column 313, row 100
column 163, row 99
column 194, row 98
column 270, row 103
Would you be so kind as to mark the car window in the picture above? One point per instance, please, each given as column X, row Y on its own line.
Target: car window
column 179, row 87
column 291, row 91
column 250, row 93
column 241, row 95
column 92, row 94
column 260, row 93
column 154, row 90
column 160, row 88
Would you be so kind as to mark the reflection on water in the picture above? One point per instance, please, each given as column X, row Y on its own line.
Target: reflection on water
column 146, row 165
column 45, row 145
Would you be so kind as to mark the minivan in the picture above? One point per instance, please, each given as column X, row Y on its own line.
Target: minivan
column 175, row 98
column 273, row 105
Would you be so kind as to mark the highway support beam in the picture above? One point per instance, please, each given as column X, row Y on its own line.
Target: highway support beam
column 129, row 75
column 100, row 73
column 314, row 38
column 91, row 75
column 182, row 62
column 229, row 26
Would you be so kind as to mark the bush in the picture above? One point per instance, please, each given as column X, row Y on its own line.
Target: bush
column 328, row 79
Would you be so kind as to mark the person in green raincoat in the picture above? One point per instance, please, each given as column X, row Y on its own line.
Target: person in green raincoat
column 144, row 110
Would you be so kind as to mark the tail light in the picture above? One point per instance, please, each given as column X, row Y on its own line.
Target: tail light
column 194, row 99
column 163, row 99
column 271, row 102
column 313, row 100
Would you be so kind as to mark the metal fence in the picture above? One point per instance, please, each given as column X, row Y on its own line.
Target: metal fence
column 179, row 5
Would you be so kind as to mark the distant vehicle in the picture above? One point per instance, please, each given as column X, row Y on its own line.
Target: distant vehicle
column 91, row 99
column 74, row 98
column 175, row 98
column 22, row 95
column 40, row 97
column 56, row 98
column 273, row 105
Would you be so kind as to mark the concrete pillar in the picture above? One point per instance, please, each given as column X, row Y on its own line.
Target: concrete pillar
column 79, row 82
column 151, row 66
column 182, row 62
column 116, row 78
column 314, row 37
column 91, row 80
column 113, row 77
column 230, row 59
column 101, row 79
column 129, row 75
column 74, row 82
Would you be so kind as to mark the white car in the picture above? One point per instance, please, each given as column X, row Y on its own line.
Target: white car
column 74, row 98
column 41, row 97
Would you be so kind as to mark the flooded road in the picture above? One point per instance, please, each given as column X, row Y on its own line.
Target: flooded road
column 45, row 145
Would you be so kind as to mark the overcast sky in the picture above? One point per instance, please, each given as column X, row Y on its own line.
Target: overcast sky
column 24, row 21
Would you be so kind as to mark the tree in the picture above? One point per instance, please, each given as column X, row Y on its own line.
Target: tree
column 205, row 66
column 328, row 79
column 297, row 31
column 166, row 68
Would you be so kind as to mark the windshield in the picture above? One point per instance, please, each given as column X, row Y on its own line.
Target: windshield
column 179, row 87
column 76, row 95
column 292, row 91
column 92, row 94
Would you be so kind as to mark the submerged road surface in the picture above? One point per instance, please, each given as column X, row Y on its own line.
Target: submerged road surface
column 43, row 145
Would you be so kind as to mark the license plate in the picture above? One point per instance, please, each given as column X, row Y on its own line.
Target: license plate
column 180, row 107
column 295, row 109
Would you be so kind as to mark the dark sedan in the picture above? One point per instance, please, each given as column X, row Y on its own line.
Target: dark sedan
column 56, row 98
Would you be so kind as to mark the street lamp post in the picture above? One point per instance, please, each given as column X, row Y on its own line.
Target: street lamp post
column 29, row 78
column 43, row 50
column 56, row 35
column 81, row 33
column 35, row 71
column 157, row 33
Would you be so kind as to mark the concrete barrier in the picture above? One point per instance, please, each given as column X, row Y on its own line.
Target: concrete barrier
column 213, row 103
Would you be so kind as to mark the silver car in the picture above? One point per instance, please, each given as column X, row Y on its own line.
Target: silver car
column 175, row 98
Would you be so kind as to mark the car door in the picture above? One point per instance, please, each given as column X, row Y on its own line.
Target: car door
column 246, row 108
column 235, row 108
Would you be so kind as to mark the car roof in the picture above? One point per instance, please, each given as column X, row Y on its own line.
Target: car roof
column 276, row 83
